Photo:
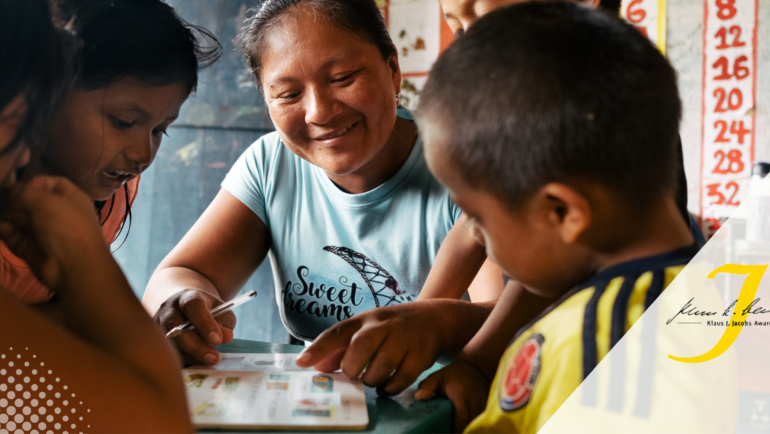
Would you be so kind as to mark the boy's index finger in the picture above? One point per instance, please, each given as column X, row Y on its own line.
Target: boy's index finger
column 334, row 338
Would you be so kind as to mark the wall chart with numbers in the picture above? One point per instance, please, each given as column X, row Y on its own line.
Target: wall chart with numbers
column 649, row 16
column 729, row 94
column 718, row 85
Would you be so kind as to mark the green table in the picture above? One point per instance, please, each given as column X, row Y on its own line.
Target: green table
column 397, row 414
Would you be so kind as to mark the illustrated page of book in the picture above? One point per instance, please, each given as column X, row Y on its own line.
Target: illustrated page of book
column 271, row 391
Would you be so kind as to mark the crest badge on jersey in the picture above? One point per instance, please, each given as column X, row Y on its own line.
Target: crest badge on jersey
column 516, row 388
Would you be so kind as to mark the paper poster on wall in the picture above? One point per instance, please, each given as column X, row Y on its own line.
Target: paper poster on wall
column 419, row 32
column 729, row 94
column 649, row 16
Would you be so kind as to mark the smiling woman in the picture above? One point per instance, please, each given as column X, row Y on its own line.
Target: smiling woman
column 138, row 62
column 339, row 195
column 320, row 100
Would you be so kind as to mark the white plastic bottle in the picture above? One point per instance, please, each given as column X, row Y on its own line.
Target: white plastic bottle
column 758, row 218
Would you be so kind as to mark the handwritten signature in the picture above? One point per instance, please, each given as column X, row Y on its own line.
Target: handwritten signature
column 689, row 310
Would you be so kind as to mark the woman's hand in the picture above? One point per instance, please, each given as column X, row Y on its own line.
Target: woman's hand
column 194, row 305
column 211, row 263
column 52, row 226
column 397, row 338
column 464, row 385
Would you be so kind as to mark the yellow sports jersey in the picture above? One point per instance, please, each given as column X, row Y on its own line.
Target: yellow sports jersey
column 549, row 358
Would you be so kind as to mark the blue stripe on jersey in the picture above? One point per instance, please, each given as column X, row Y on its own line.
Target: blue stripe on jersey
column 620, row 309
column 646, row 364
column 590, row 350
column 617, row 330
column 656, row 288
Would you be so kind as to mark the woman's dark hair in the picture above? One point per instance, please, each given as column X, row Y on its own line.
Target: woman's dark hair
column 32, row 60
column 360, row 17
column 142, row 39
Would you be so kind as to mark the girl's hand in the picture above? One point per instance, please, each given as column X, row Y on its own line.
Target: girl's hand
column 52, row 226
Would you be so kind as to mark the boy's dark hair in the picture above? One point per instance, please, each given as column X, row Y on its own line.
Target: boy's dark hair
column 33, row 61
column 361, row 17
column 141, row 39
column 549, row 91
column 611, row 6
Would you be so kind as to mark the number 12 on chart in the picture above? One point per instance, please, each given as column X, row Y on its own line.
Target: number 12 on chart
column 729, row 83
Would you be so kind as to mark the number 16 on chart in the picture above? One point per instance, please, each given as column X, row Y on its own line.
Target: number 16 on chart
column 729, row 83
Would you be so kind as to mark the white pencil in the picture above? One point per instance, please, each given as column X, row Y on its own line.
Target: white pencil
column 215, row 312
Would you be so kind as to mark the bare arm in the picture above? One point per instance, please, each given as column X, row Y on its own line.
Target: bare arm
column 462, row 265
column 108, row 345
column 211, row 264
column 218, row 255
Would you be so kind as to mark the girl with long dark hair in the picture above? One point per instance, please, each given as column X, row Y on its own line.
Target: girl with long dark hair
column 107, row 369
column 138, row 62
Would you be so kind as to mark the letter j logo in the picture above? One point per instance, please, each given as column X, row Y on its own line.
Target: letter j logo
column 748, row 291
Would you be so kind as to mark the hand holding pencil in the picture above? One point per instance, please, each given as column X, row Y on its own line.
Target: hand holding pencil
column 215, row 312
column 204, row 312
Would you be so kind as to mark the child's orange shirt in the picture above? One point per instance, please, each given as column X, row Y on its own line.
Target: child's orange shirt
column 16, row 277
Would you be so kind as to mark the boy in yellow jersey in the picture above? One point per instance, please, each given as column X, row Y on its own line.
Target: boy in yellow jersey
column 555, row 128
column 484, row 350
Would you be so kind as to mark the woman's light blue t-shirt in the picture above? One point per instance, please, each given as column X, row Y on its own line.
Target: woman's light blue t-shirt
column 335, row 254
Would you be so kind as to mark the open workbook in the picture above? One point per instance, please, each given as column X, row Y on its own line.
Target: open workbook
column 269, row 391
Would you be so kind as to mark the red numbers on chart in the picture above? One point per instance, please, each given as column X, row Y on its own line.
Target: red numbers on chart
column 728, row 80
column 635, row 13
column 725, row 9
column 732, row 159
column 722, row 34
column 741, row 131
column 730, row 188
column 734, row 100
column 740, row 71
column 736, row 128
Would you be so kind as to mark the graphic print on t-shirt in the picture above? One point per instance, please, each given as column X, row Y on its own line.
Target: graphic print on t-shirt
column 380, row 282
